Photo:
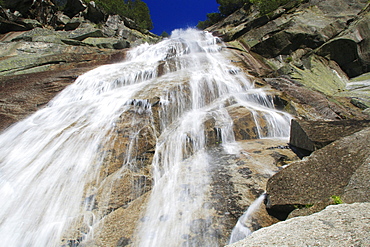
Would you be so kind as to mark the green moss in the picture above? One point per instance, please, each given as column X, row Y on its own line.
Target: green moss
column 320, row 76
column 336, row 199
column 299, row 206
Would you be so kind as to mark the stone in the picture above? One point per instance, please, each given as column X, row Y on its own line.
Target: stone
column 332, row 170
column 350, row 49
column 313, row 135
column 310, row 104
column 94, row 13
column 9, row 26
column 73, row 7
column 339, row 225
column 110, row 43
column 82, row 33
column 73, row 24
column 20, row 5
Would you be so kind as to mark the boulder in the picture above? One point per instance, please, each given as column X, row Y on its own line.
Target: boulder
column 333, row 170
column 94, row 13
column 310, row 104
column 73, row 7
column 22, row 6
column 313, row 135
column 350, row 49
column 73, row 23
column 339, row 225
column 110, row 43
column 83, row 33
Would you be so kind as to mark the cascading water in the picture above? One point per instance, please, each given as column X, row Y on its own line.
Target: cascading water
column 241, row 229
column 51, row 163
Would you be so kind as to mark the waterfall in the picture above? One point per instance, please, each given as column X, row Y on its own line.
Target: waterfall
column 53, row 164
column 241, row 229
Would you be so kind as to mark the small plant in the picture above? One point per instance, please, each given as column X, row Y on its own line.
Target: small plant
column 336, row 199
column 288, row 59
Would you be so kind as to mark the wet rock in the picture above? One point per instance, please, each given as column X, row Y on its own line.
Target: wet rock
column 245, row 126
column 346, row 224
column 333, row 170
column 23, row 94
column 238, row 179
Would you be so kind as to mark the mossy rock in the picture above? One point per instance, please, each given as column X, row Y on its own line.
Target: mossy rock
column 321, row 75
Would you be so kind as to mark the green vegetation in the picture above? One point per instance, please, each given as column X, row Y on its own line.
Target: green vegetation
column 299, row 206
column 336, row 199
column 136, row 10
column 228, row 7
column 267, row 6
column 164, row 34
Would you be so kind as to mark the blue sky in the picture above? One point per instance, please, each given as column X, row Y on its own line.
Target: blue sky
column 168, row 15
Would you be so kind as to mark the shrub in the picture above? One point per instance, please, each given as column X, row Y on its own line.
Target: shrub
column 226, row 8
column 267, row 6
column 136, row 10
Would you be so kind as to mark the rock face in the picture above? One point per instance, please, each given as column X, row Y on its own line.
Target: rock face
column 331, row 171
column 304, row 43
column 345, row 224
column 313, row 135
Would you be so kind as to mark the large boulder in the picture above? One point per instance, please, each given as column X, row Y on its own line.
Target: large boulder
column 338, row 169
column 73, row 7
column 22, row 6
column 313, row 135
column 94, row 13
column 339, row 225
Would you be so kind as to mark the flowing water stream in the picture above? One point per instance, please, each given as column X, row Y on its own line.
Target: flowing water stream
column 52, row 161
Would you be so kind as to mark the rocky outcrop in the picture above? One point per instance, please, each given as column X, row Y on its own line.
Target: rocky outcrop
column 313, row 135
column 344, row 225
column 338, row 169
column 304, row 43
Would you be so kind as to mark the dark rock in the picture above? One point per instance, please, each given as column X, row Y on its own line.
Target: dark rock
column 340, row 168
column 22, row 6
column 313, row 135
column 43, row 11
column 9, row 26
column 94, row 13
column 73, row 24
column 73, row 7
column 123, row 242
column 285, row 42
column 83, row 33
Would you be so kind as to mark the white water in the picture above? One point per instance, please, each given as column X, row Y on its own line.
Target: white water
column 241, row 229
column 47, row 160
